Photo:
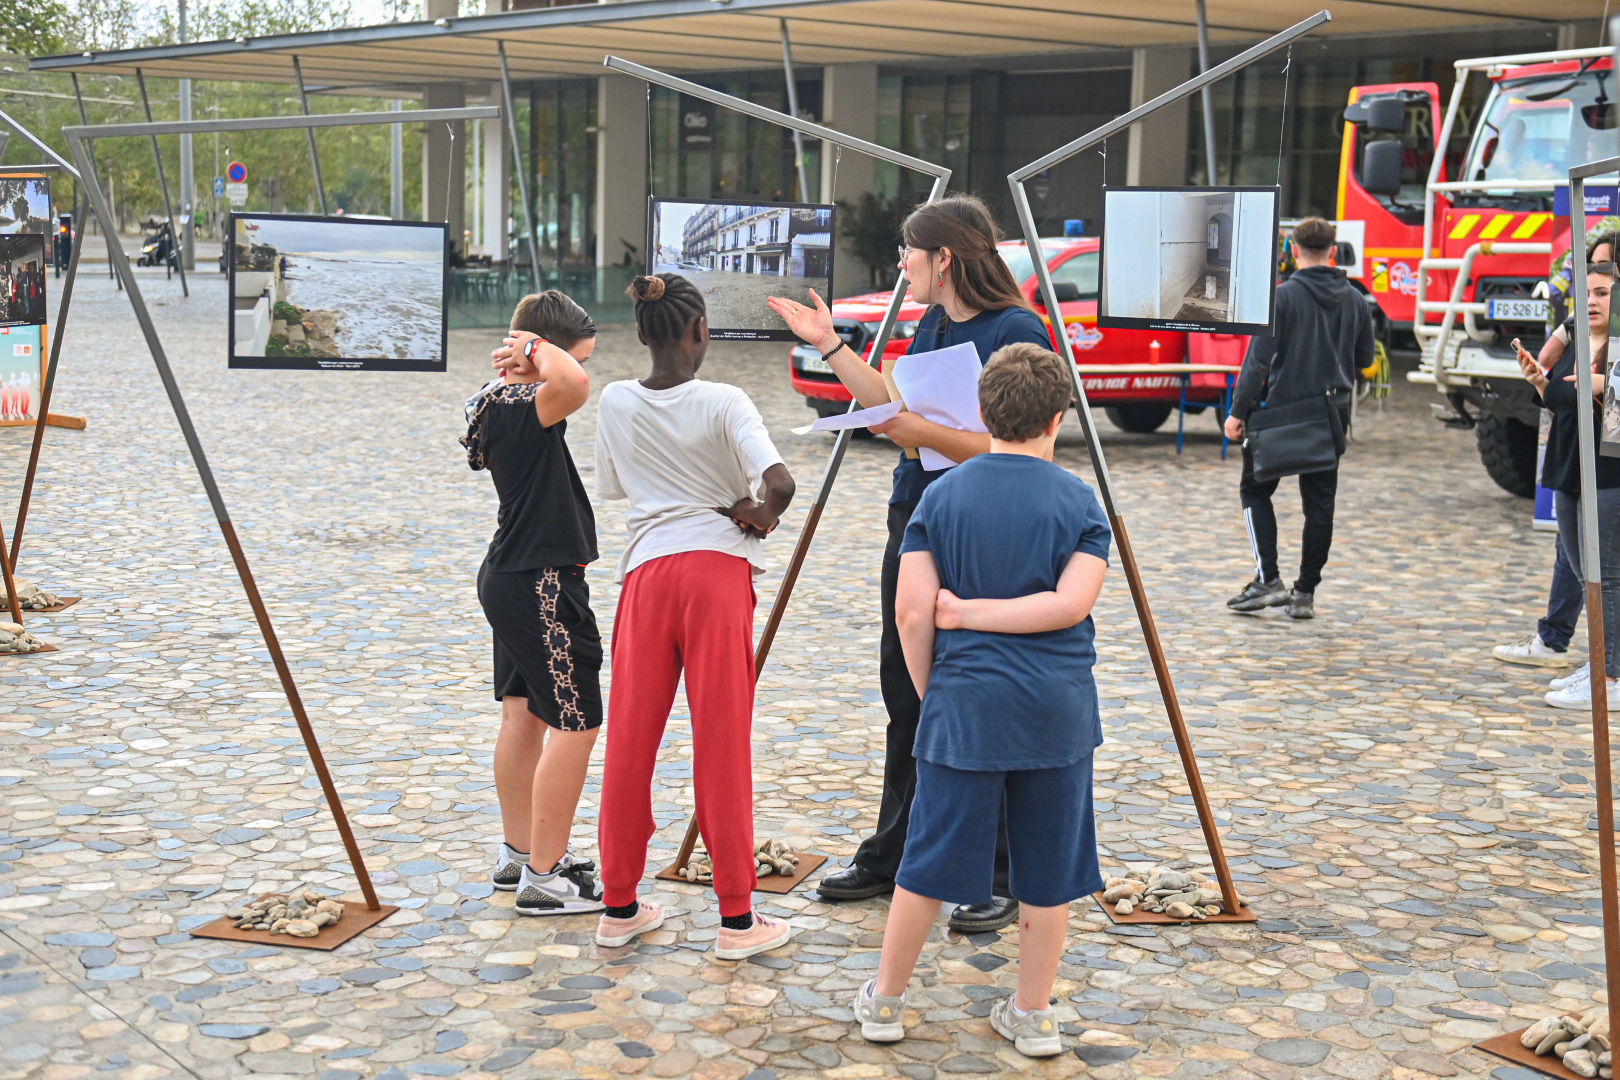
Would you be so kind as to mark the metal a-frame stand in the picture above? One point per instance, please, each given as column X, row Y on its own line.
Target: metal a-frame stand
column 1235, row 912
column 762, row 651
column 80, row 142
column 1508, row 1046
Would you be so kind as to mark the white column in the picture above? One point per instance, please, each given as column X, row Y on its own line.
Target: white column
column 188, row 179
column 497, row 185
column 475, row 158
column 1157, row 153
column 396, row 165
column 621, row 169
column 849, row 105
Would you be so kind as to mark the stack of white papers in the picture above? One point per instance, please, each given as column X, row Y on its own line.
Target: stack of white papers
column 942, row 386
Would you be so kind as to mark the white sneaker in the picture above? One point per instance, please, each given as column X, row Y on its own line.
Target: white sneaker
column 1579, row 675
column 1033, row 1034
column 1579, row 695
column 570, row 890
column 1531, row 650
column 882, row 1019
column 509, row 864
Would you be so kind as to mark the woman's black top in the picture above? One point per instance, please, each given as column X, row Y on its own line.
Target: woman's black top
column 545, row 517
column 1561, row 469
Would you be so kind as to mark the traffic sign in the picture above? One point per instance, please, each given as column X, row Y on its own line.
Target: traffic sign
column 236, row 172
column 237, row 193
column 219, row 187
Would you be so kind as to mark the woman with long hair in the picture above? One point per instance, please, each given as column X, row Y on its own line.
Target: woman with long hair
column 952, row 265
column 1561, row 472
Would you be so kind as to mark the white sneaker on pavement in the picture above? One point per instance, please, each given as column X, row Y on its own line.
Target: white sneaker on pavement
column 1531, row 650
column 1579, row 675
column 1033, row 1034
column 1579, row 695
column 882, row 1019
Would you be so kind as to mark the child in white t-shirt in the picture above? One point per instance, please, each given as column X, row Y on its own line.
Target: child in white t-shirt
column 691, row 456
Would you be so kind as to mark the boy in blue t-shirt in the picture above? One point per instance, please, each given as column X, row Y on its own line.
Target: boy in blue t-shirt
column 1004, row 558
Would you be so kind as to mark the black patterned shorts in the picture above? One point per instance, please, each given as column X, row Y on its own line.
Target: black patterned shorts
column 547, row 647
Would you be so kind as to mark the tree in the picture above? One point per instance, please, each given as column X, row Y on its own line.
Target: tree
column 872, row 227
column 32, row 27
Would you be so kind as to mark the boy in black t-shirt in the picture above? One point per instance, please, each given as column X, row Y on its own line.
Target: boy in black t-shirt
column 548, row 653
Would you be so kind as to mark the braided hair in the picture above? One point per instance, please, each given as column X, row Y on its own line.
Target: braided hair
column 666, row 306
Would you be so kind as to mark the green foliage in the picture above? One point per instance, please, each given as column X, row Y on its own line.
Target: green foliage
column 278, row 345
column 34, row 27
column 872, row 227
column 286, row 312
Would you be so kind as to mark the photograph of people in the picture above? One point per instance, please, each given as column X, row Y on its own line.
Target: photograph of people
column 22, row 279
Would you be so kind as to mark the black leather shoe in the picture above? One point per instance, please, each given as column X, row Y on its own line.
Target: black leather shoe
column 854, row 883
column 979, row 918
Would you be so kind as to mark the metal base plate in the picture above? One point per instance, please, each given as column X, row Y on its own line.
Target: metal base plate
column 66, row 602
column 1140, row 917
column 41, row 651
column 1508, row 1047
column 776, row 883
column 357, row 919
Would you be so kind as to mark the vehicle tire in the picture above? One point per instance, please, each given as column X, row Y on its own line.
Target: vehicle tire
column 825, row 408
column 1140, row 419
column 1507, row 448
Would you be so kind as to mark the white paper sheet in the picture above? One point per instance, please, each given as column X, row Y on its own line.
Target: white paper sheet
column 857, row 419
column 942, row 386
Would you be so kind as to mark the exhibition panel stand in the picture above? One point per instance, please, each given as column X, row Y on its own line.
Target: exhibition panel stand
column 1235, row 911
column 1509, row 1046
column 80, row 141
column 807, row 863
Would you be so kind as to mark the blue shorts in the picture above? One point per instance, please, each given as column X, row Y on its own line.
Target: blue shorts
column 1051, row 834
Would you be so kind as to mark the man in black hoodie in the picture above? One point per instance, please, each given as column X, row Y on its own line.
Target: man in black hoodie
column 1323, row 336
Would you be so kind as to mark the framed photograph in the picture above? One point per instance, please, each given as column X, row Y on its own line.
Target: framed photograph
column 337, row 293
column 739, row 253
column 22, row 373
column 22, row 279
column 1198, row 260
column 25, row 202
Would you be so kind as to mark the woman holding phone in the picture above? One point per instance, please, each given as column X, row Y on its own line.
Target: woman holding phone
column 1561, row 472
column 951, row 264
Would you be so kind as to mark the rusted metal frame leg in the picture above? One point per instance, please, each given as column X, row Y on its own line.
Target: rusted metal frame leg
column 45, row 391
column 1127, row 558
column 317, row 760
column 11, row 582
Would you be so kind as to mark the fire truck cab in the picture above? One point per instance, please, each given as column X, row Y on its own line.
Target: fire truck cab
column 1458, row 244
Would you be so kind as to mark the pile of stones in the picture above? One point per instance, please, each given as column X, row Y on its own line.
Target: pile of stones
column 301, row 914
column 1580, row 1042
column 770, row 857
column 14, row 639
column 1180, row 894
column 30, row 597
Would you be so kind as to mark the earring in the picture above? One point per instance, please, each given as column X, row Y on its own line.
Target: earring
column 939, row 279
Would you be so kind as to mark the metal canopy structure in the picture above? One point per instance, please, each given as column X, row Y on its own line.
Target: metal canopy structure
column 683, row 35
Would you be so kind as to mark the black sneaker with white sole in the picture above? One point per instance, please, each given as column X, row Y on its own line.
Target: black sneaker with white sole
column 570, row 890
column 509, row 864
column 1259, row 594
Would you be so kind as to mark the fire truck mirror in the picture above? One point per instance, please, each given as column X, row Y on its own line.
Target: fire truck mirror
column 1386, row 114
column 1381, row 167
column 1344, row 254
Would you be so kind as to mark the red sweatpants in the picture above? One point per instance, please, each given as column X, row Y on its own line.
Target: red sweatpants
column 694, row 610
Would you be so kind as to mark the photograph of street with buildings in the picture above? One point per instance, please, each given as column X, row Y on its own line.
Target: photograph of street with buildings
column 737, row 254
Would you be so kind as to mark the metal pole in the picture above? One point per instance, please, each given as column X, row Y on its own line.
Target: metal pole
column 314, row 158
column 1592, row 571
column 163, row 184
column 79, row 143
column 1209, row 109
column 188, row 174
column 107, row 224
column 793, row 110
column 519, row 167
column 396, row 165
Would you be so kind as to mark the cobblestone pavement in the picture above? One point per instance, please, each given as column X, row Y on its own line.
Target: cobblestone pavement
column 1413, row 825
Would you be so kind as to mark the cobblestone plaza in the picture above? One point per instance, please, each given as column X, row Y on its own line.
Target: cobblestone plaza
column 1413, row 825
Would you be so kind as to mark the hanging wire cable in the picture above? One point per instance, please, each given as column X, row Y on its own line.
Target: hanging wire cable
column 1282, row 126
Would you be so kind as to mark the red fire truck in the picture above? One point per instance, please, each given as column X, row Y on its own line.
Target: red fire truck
column 1133, row 401
column 1460, row 226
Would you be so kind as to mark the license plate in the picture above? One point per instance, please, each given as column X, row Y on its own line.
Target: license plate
column 1516, row 310
column 810, row 360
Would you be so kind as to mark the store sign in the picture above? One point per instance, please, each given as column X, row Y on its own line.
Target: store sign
column 1599, row 200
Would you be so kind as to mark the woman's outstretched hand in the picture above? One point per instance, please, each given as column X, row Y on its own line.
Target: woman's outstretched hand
column 809, row 324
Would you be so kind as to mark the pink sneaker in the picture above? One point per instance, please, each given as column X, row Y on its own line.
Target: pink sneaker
column 611, row 933
column 763, row 936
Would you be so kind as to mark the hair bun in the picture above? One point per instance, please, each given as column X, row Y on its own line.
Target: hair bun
column 648, row 289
